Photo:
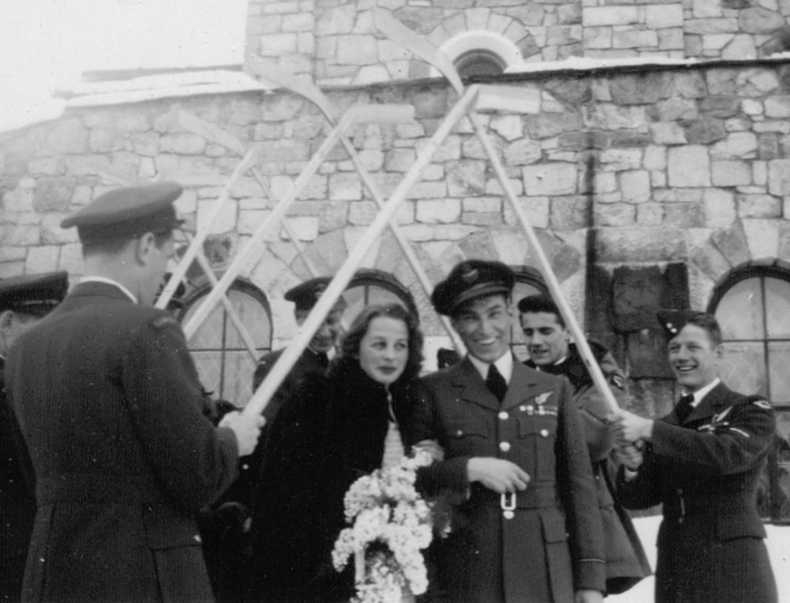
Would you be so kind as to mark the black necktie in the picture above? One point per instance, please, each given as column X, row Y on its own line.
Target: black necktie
column 496, row 382
column 323, row 359
column 683, row 408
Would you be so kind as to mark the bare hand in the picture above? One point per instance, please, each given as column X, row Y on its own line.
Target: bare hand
column 496, row 474
column 246, row 428
column 587, row 596
column 631, row 427
column 630, row 456
column 432, row 447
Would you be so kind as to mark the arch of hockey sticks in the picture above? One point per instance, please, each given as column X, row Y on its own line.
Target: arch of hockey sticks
column 471, row 99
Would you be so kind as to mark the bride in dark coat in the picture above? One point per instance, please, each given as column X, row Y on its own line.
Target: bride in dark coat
column 337, row 428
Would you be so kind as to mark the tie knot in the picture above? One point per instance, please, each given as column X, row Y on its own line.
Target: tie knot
column 684, row 407
column 496, row 382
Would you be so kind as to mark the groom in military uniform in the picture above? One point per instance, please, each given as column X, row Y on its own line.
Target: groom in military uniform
column 526, row 525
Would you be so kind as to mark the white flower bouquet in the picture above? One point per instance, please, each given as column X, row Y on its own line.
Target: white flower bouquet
column 390, row 525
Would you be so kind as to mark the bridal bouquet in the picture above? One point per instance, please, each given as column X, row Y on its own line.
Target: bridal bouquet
column 390, row 524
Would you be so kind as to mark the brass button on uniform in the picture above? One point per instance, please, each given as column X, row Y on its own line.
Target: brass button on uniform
column 503, row 415
column 544, row 433
column 459, row 432
column 504, row 446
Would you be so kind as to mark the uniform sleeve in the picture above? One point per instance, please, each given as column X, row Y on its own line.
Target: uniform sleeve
column 194, row 461
column 599, row 431
column 642, row 491
column 449, row 476
column 732, row 444
column 577, row 485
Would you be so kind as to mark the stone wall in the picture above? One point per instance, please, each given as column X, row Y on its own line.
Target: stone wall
column 615, row 170
column 336, row 41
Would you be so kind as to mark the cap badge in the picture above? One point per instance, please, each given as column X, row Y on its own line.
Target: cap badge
column 470, row 276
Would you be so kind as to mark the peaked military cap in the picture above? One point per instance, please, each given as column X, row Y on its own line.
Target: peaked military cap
column 128, row 211
column 673, row 321
column 470, row 279
column 305, row 295
column 33, row 292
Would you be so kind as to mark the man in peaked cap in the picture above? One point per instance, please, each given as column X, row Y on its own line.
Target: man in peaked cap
column 702, row 462
column 516, row 464
column 23, row 301
column 314, row 358
column 111, row 409
column 227, row 547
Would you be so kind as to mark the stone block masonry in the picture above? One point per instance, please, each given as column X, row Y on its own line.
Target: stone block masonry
column 687, row 165
column 337, row 43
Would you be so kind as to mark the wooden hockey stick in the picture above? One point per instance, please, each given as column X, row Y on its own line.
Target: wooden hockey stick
column 343, row 276
column 351, row 116
column 410, row 40
column 209, row 131
column 317, row 97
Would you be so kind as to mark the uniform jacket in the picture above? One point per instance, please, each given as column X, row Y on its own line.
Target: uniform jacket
column 331, row 433
column 600, row 437
column 17, row 499
column 626, row 562
column 705, row 472
column 553, row 543
column 110, row 406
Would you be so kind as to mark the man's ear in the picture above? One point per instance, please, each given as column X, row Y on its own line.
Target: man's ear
column 143, row 246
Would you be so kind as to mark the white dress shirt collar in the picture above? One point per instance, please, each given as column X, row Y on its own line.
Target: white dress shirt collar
column 703, row 391
column 109, row 281
column 504, row 365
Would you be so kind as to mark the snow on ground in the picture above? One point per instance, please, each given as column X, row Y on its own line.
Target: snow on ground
column 778, row 543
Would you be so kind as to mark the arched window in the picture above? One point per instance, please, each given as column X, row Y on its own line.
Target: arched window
column 752, row 305
column 528, row 282
column 224, row 363
column 479, row 62
column 481, row 52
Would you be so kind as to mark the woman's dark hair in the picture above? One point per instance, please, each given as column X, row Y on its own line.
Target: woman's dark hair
column 359, row 327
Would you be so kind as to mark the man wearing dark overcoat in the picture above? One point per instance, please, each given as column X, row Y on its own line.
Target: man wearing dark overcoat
column 315, row 357
column 111, row 409
column 551, row 350
column 226, row 527
column 525, row 519
column 702, row 462
column 23, row 301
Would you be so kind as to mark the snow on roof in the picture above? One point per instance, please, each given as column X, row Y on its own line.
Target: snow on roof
column 29, row 109
column 151, row 87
